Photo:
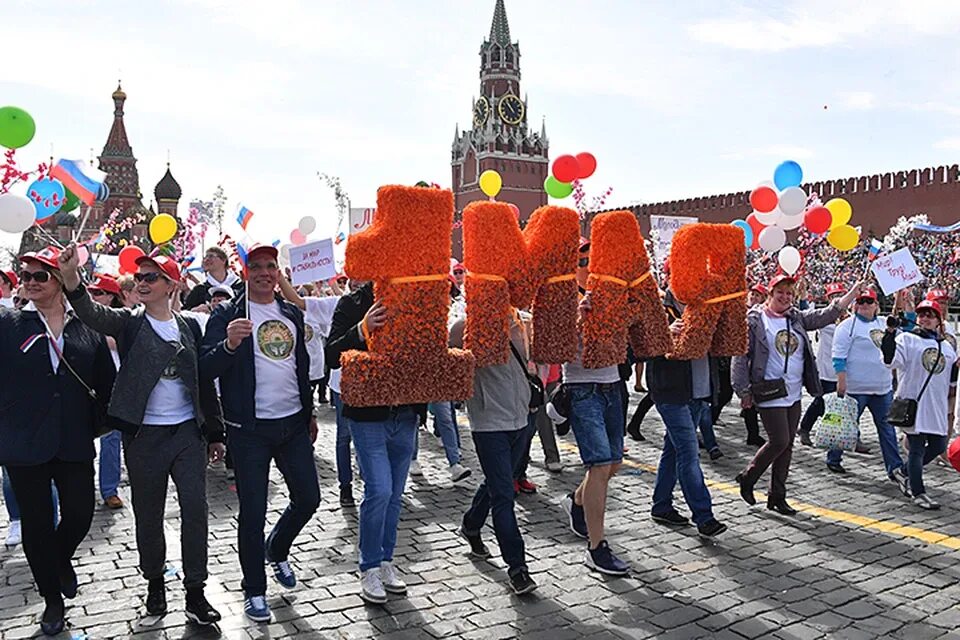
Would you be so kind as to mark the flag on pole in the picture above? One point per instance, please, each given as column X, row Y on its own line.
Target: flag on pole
column 80, row 178
column 244, row 216
column 875, row 248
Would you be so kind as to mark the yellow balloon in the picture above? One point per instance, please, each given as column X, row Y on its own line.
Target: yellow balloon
column 162, row 228
column 841, row 211
column 491, row 183
column 843, row 238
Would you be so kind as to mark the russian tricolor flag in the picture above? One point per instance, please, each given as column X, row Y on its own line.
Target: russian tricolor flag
column 32, row 340
column 80, row 178
column 244, row 216
column 875, row 248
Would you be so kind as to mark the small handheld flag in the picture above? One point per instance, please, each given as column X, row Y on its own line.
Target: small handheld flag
column 244, row 216
column 80, row 178
column 875, row 248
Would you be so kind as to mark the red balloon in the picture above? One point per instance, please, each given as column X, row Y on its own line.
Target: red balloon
column 764, row 199
column 818, row 220
column 566, row 168
column 588, row 164
column 128, row 259
column 757, row 227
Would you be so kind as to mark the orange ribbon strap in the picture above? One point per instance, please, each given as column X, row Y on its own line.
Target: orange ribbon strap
column 409, row 279
column 639, row 281
column 487, row 276
column 621, row 281
column 563, row 278
column 729, row 296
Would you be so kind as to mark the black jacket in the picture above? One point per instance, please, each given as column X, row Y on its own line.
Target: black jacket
column 344, row 336
column 46, row 414
column 200, row 294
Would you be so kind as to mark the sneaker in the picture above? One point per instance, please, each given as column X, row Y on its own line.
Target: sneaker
column 711, row 529
column 346, row 496
column 113, row 502
column 715, row 453
column 199, row 610
column 283, row 573
column 805, row 439
column 578, row 522
column 671, row 517
column 924, row 502
column 555, row 466
column 256, row 608
column 459, row 472
column 900, row 478
column 602, row 559
column 14, row 535
column 836, row 467
column 861, row 448
column 390, row 577
column 522, row 583
column 477, row 548
column 371, row 586
column 156, row 598
column 526, row 486
column 415, row 469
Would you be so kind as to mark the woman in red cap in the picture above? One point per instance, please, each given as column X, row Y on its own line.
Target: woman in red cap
column 8, row 285
column 167, row 414
column 55, row 380
column 923, row 359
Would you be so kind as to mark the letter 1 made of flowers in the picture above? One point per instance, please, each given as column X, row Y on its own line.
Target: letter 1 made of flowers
column 406, row 253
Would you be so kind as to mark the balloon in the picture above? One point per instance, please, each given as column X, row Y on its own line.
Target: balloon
column 818, row 220
column 71, row 202
column 793, row 200
column 515, row 209
column 747, row 231
column 769, row 219
column 128, row 258
column 557, row 189
column 841, row 210
column 764, row 199
column 756, row 225
column 787, row 174
column 843, row 238
column 789, row 259
column 297, row 238
column 588, row 164
column 308, row 224
column 17, row 213
column 17, row 127
column 491, row 183
column 772, row 239
column 103, row 193
column 48, row 195
column 566, row 168
column 82, row 254
column 162, row 228
column 788, row 223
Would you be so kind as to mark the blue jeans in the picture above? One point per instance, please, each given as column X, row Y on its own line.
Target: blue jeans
column 596, row 417
column 499, row 452
column 816, row 408
column 879, row 406
column 924, row 448
column 680, row 460
column 445, row 421
column 287, row 441
column 384, row 450
column 344, row 465
column 109, row 464
column 520, row 468
column 10, row 499
column 706, row 428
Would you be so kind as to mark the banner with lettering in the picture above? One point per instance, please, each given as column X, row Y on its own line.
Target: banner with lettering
column 896, row 271
column 360, row 219
column 665, row 227
column 312, row 262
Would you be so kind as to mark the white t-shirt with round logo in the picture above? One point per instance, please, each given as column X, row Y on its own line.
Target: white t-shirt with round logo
column 277, row 394
column 316, row 320
column 169, row 403
column 783, row 342
column 914, row 359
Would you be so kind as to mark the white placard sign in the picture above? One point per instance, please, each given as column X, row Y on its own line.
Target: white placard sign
column 896, row 271
column 312, row 261
column 666, row 226
column 360, row 219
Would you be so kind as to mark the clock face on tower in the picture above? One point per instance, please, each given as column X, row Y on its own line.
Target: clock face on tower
column 481, row 111
column 510, row 109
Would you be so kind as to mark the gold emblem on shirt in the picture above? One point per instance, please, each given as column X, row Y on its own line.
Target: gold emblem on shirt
column 307, row 333
column 877, row 336
column 785, row 338
column 933, row 360
column 275, row 340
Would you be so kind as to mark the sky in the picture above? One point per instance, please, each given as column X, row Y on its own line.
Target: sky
column 675, row 99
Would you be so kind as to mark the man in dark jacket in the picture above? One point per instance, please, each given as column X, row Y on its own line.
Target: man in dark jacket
column 217, row 274
column 256, row 348
column 681, row 391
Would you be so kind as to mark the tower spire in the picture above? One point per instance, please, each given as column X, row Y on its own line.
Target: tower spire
column 500, row 28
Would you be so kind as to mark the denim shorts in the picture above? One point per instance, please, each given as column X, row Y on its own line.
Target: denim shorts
column 596, row 417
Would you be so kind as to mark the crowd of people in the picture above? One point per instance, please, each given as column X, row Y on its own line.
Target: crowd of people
column 232, row 369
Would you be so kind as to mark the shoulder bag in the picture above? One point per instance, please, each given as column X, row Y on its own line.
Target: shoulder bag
column 767, row 390
column 903, row 411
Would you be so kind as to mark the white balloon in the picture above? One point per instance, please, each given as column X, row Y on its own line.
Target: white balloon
column 793, row 200
column 789, row 259
column 769, row 219
column 308, row 225
column 772, row 238
column 789, row 223
column 285, row 254
column 17, row 213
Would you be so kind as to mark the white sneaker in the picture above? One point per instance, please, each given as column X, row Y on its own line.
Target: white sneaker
column 371, row 586
column 14, row 537
column 459, row 472
column 924, row 502
column 415, row 469
column 391, row 579
column 555, row 466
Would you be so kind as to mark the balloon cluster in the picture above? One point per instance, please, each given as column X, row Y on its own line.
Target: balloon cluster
column 566, row 170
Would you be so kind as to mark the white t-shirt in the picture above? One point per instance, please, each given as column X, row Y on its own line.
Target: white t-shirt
column 783, row 342
column 825, row 354
column 574, row 372
column 316, row 320
column 169, row 402
column 914, row 359
column 858, row 341
column 6, row 302
column 277, row 393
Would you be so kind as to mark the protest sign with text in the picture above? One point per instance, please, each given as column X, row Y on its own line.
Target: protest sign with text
column 312, row 262
column 896, row 271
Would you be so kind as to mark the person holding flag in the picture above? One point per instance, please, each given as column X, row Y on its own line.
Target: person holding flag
column 218, row 275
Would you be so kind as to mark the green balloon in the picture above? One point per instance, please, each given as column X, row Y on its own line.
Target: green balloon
column 71, row 201
column 557, row 189
column 16, row 127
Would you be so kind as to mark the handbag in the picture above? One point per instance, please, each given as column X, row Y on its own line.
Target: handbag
column 536, row 385
column 837, row 428
column 903, row 411
column 767, row 390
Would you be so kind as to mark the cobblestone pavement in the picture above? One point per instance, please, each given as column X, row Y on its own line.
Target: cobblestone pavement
column 859, row 561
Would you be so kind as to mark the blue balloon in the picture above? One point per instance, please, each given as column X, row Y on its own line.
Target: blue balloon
column 103, row 193
column 47, row 196
column 788, row 174
column 747, row 231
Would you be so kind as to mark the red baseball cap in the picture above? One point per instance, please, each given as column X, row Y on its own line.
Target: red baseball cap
column 167, row 266
column 759, row 288
column 11, row 277
column 458, row 265
column 867, row 293
column 938, row 294
column 931, row 304
column 584, row 244
column 48, row 256
column 836, row 288
column 781, row 277
column 262, row 248
column 106, row 283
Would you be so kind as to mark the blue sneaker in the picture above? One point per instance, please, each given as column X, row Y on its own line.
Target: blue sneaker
column 283, row 574
column 602, row 559
column 256, row 608
column 578, row 522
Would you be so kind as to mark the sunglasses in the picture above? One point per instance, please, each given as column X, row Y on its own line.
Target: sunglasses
column 458, row 272
column 582, row 262
column 927, row 313
column 36, row 276
column 97, row 292
column 150, row 278
column 865, row 301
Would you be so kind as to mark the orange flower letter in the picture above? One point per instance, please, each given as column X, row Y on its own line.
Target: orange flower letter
column 708, row 274
column 406, row 252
